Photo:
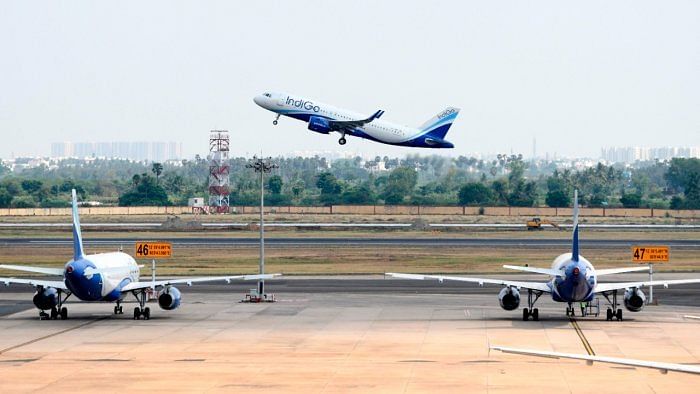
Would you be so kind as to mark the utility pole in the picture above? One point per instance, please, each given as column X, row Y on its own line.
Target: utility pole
column 262, row 165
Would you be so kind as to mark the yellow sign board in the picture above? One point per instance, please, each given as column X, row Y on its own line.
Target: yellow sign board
column 649, row 254
column 154, row 250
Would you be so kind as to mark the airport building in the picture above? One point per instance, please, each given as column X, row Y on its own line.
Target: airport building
column 133, row 150
column 630, row 154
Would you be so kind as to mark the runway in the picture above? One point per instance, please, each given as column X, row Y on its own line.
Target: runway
column 397, row 241
column 364, row 341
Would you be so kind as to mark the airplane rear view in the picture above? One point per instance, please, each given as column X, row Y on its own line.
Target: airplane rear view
column 324, row 119
column 106, row 277
column 573, row 279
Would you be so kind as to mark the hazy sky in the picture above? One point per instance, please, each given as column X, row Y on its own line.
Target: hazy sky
column 575, row 75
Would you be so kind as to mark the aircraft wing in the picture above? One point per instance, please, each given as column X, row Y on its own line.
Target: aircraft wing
column 37, row 270
column 58, row 284
column 481, row 281
column 610, row 271
column 604, row 287
column 349, row 125
column 662, row 367
column 189, row 281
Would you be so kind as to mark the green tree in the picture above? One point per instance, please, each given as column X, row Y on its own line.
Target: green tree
column 558, row 191
column 157, row 168
column 330, row 188
column 399, row 185
column 31, row 186
column 359, row 195
column 146, row 193
column 631, row 200
column 274, row 184
column 475, row 193
column 5, row 199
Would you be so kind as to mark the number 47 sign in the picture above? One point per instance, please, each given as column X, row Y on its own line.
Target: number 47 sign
column 649, row 254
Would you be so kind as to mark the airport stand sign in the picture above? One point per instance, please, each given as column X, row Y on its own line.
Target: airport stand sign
column 650, row 255
column 154, row 250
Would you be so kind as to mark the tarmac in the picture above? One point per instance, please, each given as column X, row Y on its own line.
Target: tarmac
column 337, row 335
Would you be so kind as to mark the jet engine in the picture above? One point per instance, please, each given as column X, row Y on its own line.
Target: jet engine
column 319, row 125
column 169, row 298
column 634, row 300
column 509, row 298
column 46, row 298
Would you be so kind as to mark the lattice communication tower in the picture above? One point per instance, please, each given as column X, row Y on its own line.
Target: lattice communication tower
column 219, row 167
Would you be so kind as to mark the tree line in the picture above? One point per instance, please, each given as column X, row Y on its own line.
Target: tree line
column 415, row 180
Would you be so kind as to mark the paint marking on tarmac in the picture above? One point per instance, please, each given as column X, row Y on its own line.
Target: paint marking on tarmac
column 52, row 335
column 584, row 340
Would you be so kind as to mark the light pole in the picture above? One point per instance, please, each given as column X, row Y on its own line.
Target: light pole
column 262, row 165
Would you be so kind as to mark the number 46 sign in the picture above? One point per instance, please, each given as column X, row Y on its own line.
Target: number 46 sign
column 154, row 250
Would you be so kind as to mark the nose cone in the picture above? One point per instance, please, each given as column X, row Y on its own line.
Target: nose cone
column 258, row 100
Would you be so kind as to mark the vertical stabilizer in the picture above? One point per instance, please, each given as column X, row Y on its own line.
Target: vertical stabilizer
column 574, row 247
column 77, row 236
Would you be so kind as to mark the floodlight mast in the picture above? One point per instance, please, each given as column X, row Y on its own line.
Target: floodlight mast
column 262, row 166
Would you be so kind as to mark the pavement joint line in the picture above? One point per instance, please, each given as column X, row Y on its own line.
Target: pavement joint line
column 582, row 336
column 53, row 334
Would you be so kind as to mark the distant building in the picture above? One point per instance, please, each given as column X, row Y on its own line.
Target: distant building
column 631, row 154
column 134, row 150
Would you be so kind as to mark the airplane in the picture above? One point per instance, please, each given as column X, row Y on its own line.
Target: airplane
column 107, row 277
column 324, row 119
column 573, row 279
column 590, row 359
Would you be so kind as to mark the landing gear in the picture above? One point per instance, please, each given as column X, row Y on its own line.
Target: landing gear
column 59, row 311
column 614, row 312
column 118, row 309
column 274, row 122
column 570, row 311
column 531, row 310
column 143, row 310
column 342, row 141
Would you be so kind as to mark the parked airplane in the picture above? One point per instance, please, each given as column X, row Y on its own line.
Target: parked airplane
column 573, row 279
column 108, row 277
column 324, row 118
column 590, row 359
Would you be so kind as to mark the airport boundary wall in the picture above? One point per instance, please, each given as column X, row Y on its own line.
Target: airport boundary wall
column 412, row 210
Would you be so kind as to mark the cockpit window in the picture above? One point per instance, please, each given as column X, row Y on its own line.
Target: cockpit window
column 267, row 95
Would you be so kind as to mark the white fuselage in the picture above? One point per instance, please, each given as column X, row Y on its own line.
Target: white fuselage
column 100, row 277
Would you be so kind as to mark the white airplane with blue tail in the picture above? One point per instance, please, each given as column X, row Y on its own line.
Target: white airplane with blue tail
column 106, row 277
column 324, row 119
column 573, row 279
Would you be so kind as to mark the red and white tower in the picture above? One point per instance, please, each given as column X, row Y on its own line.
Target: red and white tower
column 219, row 167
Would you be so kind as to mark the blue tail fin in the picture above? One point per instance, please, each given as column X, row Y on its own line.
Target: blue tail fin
column 574, row 247
column 77, row 236
column 439, row 125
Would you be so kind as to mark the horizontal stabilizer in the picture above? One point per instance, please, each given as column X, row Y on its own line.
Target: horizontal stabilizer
column 534, row 270
column 611, row 271
column 37, row 270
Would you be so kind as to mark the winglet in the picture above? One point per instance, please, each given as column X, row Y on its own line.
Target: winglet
column 574, row 247
column 77, row 236
column 376, row 115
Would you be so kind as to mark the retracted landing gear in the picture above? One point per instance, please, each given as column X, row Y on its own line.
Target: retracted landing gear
column 274, row 122
column 143, row 310
column 615, row 313
column 531, row 310
column 59, row 311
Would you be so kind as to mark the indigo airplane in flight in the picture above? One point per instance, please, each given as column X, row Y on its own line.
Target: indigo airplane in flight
column 324, row 119
column 573, row 279
column 107, row 277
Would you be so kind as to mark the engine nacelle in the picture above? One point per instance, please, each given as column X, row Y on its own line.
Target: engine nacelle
column 634, row 300
column 509, row 298
column 169, row 299
column 319, row 125
column 46, row 299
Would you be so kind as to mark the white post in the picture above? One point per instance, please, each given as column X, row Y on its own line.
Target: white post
column 651, row 288
column 153, row 274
